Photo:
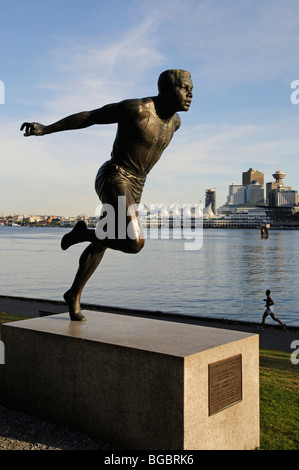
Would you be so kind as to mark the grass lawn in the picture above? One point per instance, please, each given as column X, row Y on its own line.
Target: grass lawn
column 279, row 397
column 7, row 317
column 279, row 401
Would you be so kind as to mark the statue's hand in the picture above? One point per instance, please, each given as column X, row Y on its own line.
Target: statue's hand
column 33, row 128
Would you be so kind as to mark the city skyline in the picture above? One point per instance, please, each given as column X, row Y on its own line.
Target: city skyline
column 77, row 56
column 210, row 196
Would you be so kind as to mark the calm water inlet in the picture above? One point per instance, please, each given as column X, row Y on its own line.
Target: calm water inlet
column 226, row 278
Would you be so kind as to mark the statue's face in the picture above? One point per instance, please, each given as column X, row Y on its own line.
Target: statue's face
column 181, row 94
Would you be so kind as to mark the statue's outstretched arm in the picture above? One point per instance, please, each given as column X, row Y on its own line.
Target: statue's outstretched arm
column 105, row 115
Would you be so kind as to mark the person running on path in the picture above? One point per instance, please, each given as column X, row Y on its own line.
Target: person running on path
column 269, row 309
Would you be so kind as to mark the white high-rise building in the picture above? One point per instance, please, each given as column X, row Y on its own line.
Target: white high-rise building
column 255, row 193
column 236, row 195
column 285, row 197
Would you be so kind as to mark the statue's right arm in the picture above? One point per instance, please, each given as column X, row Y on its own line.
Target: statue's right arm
column 105, row 115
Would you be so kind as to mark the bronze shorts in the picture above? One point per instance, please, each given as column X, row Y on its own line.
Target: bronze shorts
column 112, row 179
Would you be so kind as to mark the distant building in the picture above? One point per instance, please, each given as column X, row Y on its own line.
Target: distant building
column 236, row 195
column 250, row 193
column 252, row 175
column 254, row 193
column 68, row 221
column 211, row 199
column 279, row 195
column 284, row 197
column 271, row 187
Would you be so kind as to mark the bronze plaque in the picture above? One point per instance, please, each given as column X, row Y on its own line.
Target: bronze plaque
column 225, row 383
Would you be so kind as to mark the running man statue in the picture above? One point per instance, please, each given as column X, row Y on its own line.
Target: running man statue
column 144, row 129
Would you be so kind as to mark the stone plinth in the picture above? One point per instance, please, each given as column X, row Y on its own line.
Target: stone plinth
column 137, row 382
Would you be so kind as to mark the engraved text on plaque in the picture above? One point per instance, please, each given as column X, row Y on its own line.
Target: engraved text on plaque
column 225, row 383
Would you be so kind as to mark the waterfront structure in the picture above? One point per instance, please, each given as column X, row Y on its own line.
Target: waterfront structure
column 245, row 207
column 211, row 199
column 68, row 222
column 173, row 216
column 279, row 176
column 272, row 186
column 284, row 217
column 254, row 193
column 236, row 195
column 251, row 191
column 285, row 197
column 240, row 216
column 279, row 195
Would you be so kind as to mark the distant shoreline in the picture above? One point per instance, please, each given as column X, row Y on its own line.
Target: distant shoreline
column 208, row 227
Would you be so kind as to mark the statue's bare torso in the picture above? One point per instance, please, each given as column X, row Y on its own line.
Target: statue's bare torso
column 142, row 135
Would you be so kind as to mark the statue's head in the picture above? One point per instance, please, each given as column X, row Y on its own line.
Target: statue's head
column 175, row 87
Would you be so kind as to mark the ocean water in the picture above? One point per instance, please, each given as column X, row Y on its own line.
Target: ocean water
column 225, row 278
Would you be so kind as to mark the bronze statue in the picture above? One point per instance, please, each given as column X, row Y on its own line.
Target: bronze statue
column 145, row 128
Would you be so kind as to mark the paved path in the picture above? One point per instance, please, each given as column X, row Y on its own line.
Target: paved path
column 271, row 337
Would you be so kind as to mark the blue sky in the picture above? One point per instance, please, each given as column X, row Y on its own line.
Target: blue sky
column 61, row 57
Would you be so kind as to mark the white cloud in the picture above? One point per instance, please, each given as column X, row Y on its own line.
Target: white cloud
column 233, row 42
column 87, row 74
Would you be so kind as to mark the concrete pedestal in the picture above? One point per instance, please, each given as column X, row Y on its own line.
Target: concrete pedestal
column 137, row 382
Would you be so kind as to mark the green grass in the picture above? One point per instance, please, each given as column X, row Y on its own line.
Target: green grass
column 279, row 401
column 7, row 317
column 279, row 397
